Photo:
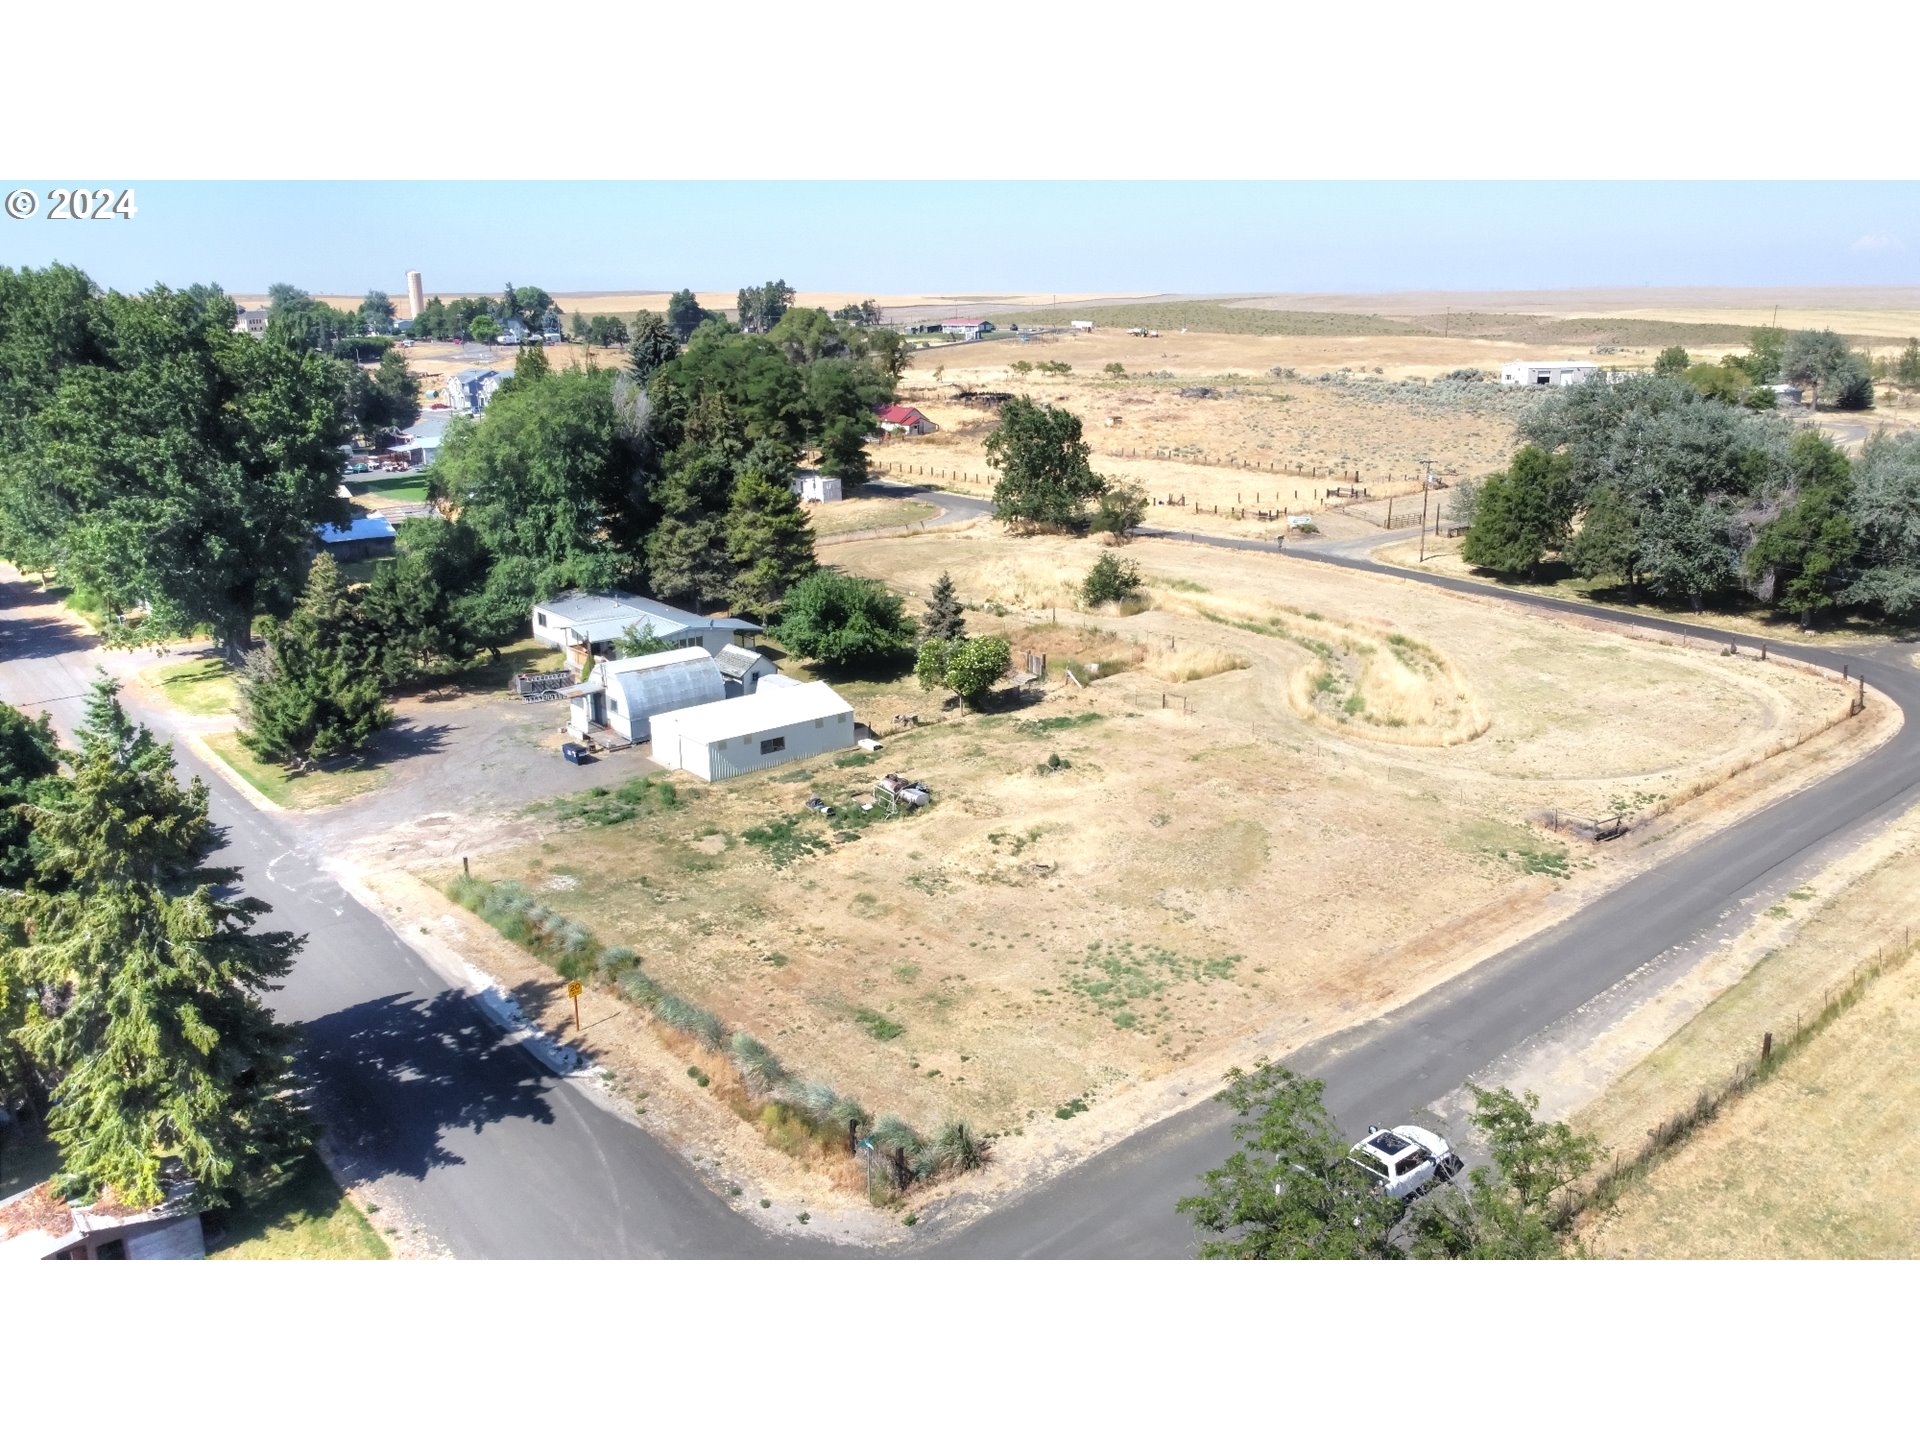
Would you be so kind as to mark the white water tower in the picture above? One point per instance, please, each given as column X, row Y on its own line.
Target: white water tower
column 416, row 301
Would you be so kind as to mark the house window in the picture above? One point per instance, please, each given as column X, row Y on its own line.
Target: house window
column 1546, row 379
column 720, row 745
column 540, row 619
column 819, row 724
column 773, row 746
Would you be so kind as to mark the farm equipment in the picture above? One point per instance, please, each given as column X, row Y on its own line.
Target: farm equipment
column 897, row 790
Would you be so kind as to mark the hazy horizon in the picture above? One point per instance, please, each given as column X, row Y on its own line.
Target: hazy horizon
column 982, row 238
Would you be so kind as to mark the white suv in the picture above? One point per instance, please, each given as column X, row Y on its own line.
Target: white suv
column 1405, row 1161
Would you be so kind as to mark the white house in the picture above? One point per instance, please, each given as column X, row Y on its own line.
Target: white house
column 1547, row 372
column 584, row 623
column 812, row 485
column 966, row 327
column 468, row 391
column 743, row 669
column 624, row 695
column 775, row 724
column 251, row 322
column 1081, row 325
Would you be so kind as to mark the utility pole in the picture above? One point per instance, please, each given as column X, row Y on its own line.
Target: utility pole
column 1426, row 485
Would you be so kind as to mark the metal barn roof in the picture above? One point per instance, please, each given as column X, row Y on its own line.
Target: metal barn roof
column 765, row 709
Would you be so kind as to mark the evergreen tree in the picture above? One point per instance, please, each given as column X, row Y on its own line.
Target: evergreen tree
column 944, row 619
column 316, row 691
column 150, row 982
column 417, row 607
column 29, row 758
column 654, row 344
column 769, row 539
column 122, row 817
column 687, row 551
column 1906, row 369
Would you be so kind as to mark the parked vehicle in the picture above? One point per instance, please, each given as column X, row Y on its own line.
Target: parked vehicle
column 1405, row 1161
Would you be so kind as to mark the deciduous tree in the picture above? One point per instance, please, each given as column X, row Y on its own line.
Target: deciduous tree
column 1522, row 513
column 1288, row 1192
column 844, row 621
column 1045, row 475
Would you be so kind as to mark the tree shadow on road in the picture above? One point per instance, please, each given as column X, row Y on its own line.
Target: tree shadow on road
column 401, row 1073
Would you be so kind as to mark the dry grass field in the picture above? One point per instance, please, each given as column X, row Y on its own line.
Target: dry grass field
column 1817, row 1161
column 1120, row 880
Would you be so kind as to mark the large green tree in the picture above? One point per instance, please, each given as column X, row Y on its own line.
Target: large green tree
column 386, row 397
column 1607, row 544
column 421, row 608
column 1806, row 549
column 1842, row 378
column 157, row 460
column 685, row 314
column 1045, row 475
column 554, row 477
column 1521, row 513
column 315, row 691
column 1885, row 514
column 151, row 981
column 769, row 540
column 1288, row 1192
column 29, row 757
column 844, row 621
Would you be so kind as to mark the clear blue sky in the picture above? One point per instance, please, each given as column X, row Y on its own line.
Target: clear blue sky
column 983, row 237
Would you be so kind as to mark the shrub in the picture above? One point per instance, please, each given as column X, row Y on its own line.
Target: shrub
column 846, row 1109
column 891, row 1133
column 690, row 1019
column 1111, row 579
column 1120, row 509
column 759, row 1069
column 639, row 987
column 954, row 1148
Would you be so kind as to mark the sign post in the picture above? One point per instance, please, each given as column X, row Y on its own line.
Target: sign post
column 574, row 987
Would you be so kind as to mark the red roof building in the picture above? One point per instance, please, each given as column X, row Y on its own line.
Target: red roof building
column 904, row 418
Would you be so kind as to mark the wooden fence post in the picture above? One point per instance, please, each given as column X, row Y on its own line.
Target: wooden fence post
column 1766, row 1047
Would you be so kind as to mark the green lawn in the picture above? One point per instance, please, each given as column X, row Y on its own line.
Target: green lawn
column 199, row 687
column 523, row 655
column 310, row 791
column 409, row 488
column 308, row 1218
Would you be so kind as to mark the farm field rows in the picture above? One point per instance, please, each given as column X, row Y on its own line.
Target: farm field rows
column 1113, row 886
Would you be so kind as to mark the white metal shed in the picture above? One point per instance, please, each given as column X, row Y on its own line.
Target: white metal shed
column 624, row 695
column 773, row 725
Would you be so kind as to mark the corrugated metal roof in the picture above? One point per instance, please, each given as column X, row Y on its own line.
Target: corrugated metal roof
column 735, row 661
column 674, row 680
column 768, row 708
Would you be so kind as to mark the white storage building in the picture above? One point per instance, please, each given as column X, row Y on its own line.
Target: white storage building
column 623, row 696
column 775, row 724
column 743, row 669
column 584, row 623
column 1547, row 372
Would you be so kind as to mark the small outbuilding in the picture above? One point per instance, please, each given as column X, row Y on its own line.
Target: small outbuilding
column 770, row 727
column 965, row 327
column 742, row 669
column 1788, row 395
column 811, row 485
column 621, row 697
column 369, row 537
column 34, row 1225
column 1547, row 372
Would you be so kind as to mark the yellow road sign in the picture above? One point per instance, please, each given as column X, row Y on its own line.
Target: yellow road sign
column 574, row 987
